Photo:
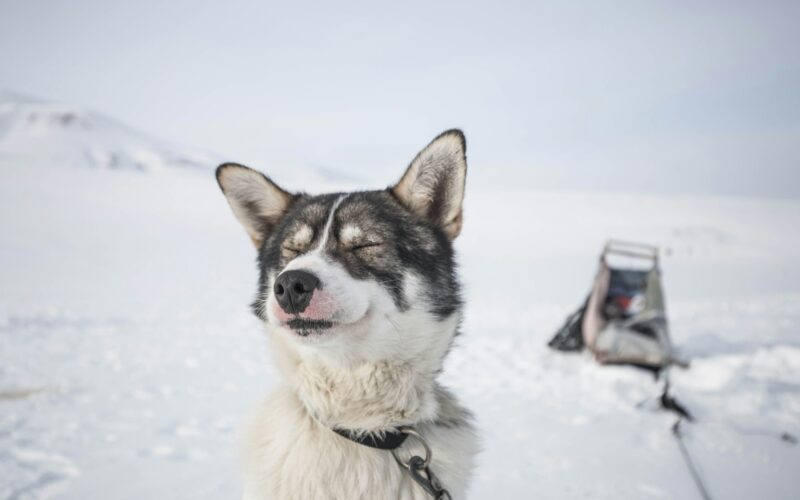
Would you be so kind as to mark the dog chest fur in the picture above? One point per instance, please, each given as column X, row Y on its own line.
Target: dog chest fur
column 291, row 455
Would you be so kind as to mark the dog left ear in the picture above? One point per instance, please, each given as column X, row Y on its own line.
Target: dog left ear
column 256, row 201
column 433, row 185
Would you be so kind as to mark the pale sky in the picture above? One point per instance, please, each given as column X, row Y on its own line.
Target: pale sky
column 675, row 97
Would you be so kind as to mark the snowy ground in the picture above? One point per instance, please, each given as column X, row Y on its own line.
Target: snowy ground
column 128, row 356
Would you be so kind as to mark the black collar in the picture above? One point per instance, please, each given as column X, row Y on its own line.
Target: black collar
column 391, row 440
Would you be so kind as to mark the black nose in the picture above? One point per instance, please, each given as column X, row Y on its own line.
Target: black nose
column 294, row 289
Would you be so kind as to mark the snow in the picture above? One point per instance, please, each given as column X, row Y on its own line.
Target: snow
column 128, row 355
column 48, row 132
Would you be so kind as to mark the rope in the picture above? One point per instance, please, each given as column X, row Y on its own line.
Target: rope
column 690, row 464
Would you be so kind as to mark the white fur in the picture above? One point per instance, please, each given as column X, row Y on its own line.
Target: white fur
column 291, row 456
column 327, row 230
column 373, row 371
column 303, row 235
column 350, row 234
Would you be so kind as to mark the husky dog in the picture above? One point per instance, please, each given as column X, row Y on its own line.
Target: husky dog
column 361, row 302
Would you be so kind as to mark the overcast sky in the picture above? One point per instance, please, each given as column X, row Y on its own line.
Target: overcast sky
column 678, row 97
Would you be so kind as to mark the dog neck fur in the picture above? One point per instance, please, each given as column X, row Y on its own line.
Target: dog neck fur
column 369, row 395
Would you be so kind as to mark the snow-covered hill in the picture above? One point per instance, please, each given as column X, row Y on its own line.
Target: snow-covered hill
column 38, row 131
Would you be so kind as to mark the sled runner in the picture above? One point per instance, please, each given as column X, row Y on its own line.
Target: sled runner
column 624, row 319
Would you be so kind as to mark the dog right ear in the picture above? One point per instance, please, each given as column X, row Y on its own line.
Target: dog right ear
column 256, row 201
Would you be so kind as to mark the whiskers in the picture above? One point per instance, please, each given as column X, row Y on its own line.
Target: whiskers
column 259, row 306
column 394, row 326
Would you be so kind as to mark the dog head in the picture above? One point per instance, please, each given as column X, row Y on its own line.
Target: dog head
column 361, row 276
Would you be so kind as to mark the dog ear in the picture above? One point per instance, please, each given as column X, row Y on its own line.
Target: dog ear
column 256, row 201
column 433, row 185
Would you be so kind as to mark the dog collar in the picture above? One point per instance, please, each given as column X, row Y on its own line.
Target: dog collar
column 388, row 441
column 418, row 468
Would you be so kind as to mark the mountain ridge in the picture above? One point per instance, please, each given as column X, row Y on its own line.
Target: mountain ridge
column 43, row 131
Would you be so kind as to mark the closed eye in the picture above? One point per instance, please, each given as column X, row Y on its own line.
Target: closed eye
column 362, row 246
column 293, row 249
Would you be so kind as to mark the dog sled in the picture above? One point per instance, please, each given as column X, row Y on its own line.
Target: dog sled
column 623, row 320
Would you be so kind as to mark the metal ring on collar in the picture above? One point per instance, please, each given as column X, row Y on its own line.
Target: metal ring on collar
column 428, row 453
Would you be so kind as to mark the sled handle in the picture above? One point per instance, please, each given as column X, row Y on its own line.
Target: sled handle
column 631, row 249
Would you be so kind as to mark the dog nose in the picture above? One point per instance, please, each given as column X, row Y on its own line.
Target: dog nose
column 293, row 290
